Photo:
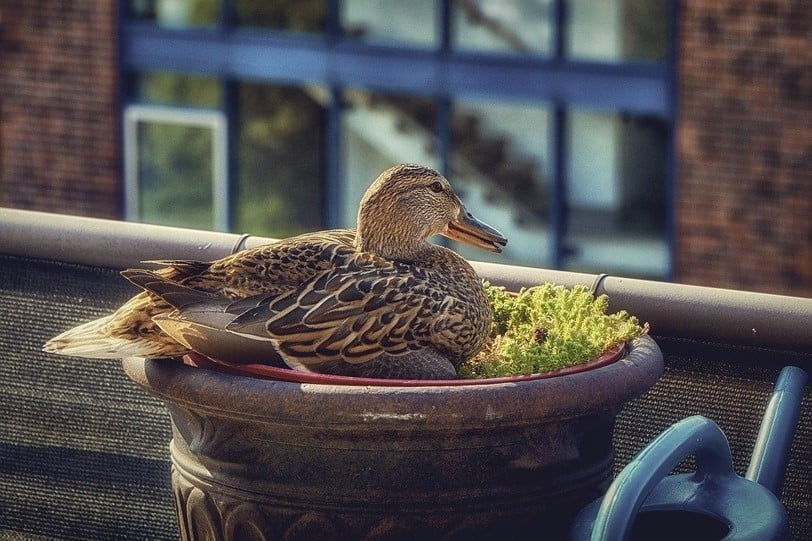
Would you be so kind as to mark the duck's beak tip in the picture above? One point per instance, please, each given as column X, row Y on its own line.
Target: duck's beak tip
column 468, row 229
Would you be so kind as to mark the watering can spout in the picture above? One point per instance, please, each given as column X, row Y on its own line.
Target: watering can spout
column 768, row 463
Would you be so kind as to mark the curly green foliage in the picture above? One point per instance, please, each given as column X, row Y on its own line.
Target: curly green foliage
column 547, row 328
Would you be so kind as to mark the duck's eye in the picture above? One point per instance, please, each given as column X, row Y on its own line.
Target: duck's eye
column 436, row 187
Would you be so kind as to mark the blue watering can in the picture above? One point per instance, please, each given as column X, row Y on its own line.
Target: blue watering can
column 645, row 502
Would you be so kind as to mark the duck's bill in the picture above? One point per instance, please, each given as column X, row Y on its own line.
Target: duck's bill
column 466, row 228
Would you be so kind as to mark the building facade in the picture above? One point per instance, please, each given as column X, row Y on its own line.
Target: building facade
column 656, row 139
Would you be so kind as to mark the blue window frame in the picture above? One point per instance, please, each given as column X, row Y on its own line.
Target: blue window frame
column 595, row 111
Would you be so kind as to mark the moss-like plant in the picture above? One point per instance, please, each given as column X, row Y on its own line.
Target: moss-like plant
column 547, row 328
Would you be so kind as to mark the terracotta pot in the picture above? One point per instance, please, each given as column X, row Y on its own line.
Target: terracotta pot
column 262, row 459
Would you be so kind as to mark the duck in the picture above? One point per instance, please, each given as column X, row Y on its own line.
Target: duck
column 379, row 300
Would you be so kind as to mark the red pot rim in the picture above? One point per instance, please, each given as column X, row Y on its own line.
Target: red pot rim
column 297, row 376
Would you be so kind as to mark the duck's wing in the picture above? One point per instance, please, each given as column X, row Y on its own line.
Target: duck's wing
column 199, row 320
column 178, row 269
column 346, row 316
column 354, row 314
column 277, row 267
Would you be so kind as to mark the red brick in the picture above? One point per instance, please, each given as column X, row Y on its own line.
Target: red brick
column 59, row 109
column 744, row 146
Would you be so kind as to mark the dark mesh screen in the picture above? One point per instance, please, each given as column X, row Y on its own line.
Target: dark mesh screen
column 84, row 450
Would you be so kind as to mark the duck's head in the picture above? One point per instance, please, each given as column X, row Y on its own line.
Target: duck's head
column 409, row 203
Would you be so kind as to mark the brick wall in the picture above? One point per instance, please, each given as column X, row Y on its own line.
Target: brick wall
column 59, row 125
column 744, row 145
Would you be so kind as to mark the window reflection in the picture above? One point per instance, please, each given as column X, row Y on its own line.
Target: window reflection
column 177, row 13
column 175, row 175
column 391, row 21
column 512, row 26
column 280, row 166
column 501, row 166
column 177, row 89
column 292, row 15
column 617, row 30
column 616, row 193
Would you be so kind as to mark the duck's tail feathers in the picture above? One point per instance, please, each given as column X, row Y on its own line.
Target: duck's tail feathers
column 90, row 340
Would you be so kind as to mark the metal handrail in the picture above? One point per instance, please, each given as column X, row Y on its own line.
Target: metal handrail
column 741, row 317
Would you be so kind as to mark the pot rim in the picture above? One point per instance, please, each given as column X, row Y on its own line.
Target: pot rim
column 298, row 376
column 332, row 406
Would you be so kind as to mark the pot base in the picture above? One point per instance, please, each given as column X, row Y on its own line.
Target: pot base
column 209, row 509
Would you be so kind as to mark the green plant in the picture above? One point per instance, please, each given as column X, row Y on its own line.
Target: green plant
column 547, row 328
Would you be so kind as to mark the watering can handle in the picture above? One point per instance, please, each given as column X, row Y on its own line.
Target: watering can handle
column 696, row 436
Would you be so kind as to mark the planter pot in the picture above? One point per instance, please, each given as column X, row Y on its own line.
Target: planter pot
column 262, row 459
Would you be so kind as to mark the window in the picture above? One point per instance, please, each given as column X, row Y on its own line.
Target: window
column 393, row 22
column 502, row 162
column 177, row 13
column 616, row 198
column 619, row 30
column 280, row 140
column 512, row 26
column 175, row 172
column 306, row 16
column 552, row 118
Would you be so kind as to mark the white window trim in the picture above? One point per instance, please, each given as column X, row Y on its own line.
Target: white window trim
column 206, row 118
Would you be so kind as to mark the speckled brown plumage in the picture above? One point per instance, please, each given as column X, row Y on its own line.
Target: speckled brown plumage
column 334, row 301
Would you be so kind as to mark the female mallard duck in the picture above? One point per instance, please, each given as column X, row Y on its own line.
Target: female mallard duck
column 379, row 302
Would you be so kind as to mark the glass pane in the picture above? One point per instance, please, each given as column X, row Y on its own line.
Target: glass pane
column 512, row 26
column 501, row 168
column 174, row 89
column 391, row 21
column 293, row 15
column 280, row 169
column 378, row 131
column 617, row 30
column 177, row 13
column 175, row 175
column 616, row 194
